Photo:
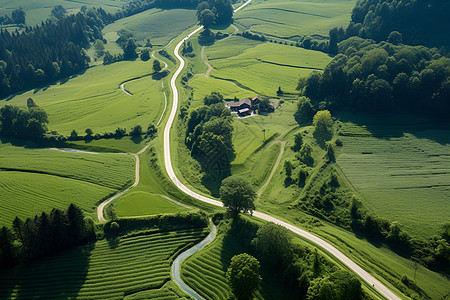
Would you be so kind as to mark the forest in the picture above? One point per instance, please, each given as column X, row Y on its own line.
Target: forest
column 376, row 19
column 45, row 53
column 366, row 75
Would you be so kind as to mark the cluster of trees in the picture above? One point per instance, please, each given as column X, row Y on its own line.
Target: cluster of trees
column 272, row 255
column 30, row 123
column 382, row 76
column 17, row 17
column 434, row 254
column 43, row 235
column 209, row 135
column 214, row 12
column 302, row 270
column 253, row 36
column 47, row 52
column 376, row 20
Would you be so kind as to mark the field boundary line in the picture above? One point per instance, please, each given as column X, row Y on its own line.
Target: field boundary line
column 165, row 104
column 274, row 169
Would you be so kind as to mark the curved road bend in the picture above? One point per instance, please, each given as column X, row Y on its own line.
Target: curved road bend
column 382, row 289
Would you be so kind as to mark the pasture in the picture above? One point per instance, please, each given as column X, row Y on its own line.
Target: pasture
column 409, row 178
column 157, row 24
column 94, row 100
column 36, row 180
column 144, row 204
column 293, row 19
column 38, row 11
column 107, row 269
column 262, row 67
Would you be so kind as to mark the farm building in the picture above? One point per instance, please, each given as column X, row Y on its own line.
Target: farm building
column 245, row 106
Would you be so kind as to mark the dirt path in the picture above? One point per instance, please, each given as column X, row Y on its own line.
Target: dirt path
column 205, row 60
column 274, row 169
column 102, row 206
column 165, row 104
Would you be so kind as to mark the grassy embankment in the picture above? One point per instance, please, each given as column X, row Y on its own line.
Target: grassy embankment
column 290, row 19
column 134, row 266
column 36, row 180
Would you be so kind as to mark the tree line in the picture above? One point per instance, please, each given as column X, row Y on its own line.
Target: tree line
column 376, row 19
column 366, row 75
column 43, row 235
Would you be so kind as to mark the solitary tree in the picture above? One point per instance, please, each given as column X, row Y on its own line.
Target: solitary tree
column 298, row 141
column 243, row 275
column 156, row 66
column 129, row 51
column 207, row 18
column 288, row 168
column 89, row 133
column 273, row 245
column 323, row 124
column 237, row 195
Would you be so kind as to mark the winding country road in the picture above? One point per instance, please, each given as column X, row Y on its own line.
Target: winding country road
column 382, row 289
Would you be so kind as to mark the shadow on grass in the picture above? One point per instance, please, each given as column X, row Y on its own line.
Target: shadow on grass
column 387, row 126
column 59, row 277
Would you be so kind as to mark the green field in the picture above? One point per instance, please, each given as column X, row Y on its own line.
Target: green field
column 107, row 269
column 409, row 178
column 144, row 204
column 157, row 24
column 94, row 99
column 290, row 19
column 262, row 67
column 38, row 11
column 36, row 180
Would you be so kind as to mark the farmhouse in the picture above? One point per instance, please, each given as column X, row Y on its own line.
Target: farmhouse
column 245, row 106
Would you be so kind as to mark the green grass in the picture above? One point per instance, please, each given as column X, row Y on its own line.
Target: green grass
column 107, row 269
column 94, row 100
column 36, row 180
column 143, row 204
column 27, row 194
column 409, row 178
column 157, row 24
column 290, row 19
column 263, row 67
column 38, row 11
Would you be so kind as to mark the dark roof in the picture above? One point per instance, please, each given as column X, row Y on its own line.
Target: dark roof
column 240, row 102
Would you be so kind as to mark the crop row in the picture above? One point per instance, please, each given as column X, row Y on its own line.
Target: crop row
column 105, row 269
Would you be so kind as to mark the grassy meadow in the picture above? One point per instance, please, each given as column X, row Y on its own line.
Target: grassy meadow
column 144, row 204
column 262, row 67
column 94, row 99
column 38, row 11
column 107, row 269
column 290, row 19
column 409, row 178
column 36, row 180
column 160, row 25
